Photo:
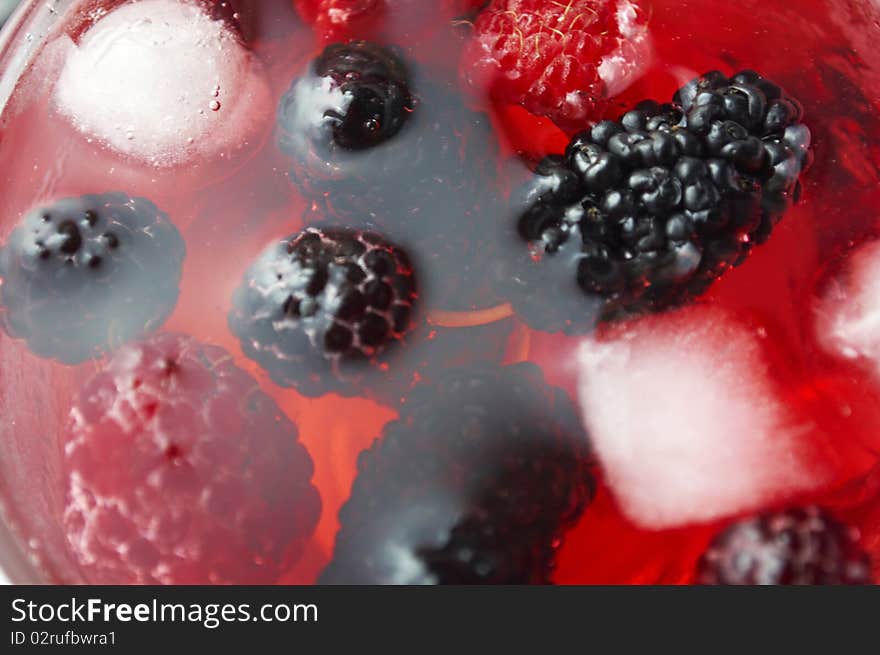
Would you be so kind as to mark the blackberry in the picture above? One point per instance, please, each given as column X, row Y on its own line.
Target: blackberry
column 436, row 173
column 646, row 212
column 354, row 97
column 475, row 483
column 449, row 250
column 799, row 546
column 85, row 274
column 319, row 310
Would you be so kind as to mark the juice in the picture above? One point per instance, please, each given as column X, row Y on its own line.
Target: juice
column 760, row 392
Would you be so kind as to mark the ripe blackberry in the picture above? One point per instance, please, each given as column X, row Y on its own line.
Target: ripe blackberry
column 648, row 211
column 799, row 546
column 355, row 96
column 85, row 274
column 475, row 483
column 181, row 471
column 319, row 310
column 435, row 174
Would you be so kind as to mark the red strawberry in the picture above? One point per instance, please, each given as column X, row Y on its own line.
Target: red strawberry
column 181, row 471
column 558, row 59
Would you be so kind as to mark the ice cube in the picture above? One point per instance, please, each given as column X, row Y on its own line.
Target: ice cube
column 687, row 420
column 161, row 81
column 848, row 310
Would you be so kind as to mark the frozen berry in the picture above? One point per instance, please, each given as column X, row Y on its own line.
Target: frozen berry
column 646, row 212
column 181, row 471
column 553, row 58
column 799, row 546
column 320, row 309
column 85, row 274
column 476, row 482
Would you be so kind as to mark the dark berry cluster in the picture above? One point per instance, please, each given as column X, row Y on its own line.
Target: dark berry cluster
column 86, row 274
column 319, row 309
column 798, row 546
column 475, row 483
column 646, row 212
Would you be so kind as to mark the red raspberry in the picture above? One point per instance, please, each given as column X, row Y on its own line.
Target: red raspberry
column 556, row 58
column 338, row 20
column 181, row 471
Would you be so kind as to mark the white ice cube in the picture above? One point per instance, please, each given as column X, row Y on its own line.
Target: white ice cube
column 634, row 52
column 687, row 421
column 848, row 311
column 161, row 81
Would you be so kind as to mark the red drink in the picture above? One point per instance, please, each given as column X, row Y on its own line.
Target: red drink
column 759, row 392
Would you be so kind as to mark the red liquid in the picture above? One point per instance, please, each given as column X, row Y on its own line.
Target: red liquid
column 821, row 51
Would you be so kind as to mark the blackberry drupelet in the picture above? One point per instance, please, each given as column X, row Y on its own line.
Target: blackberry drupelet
column 798, row 546
column 475, row 483
column 320, row 310
column 646, row 212
column 435, row 174
column 84, row 275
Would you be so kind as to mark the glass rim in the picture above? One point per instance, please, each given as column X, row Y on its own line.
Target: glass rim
column 20, row 39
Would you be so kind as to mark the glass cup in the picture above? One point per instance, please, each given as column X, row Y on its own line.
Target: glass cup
column 227, row 191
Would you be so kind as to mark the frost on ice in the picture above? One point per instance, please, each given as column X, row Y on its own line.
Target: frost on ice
column 848, row 311
column 687, row 421
column 161, row 81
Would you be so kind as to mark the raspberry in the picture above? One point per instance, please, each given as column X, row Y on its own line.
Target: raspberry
column 437, row 172
column 84, row 274
column 799, row 546
column 181, row 471
column 646, row 212
column 550, row 57
column 474, row 483
column 319, row 310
